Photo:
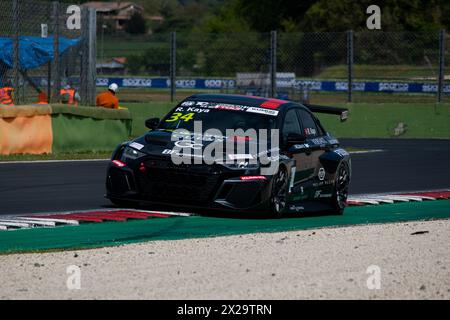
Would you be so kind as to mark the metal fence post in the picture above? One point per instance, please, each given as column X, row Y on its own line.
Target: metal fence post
column 16, row 65
column 56, row 67
column 92, row 57
column 88, row 59
column 273, row 63
column 441, row 65
column 84, row 56
column 349, row 65
column 173, row 65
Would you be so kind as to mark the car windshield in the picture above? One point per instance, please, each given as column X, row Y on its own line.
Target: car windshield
column 218, row 116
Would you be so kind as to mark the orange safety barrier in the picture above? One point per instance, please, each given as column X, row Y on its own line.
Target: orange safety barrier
column 32, row 135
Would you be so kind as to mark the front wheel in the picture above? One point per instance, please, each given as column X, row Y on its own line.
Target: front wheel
column 339, row 200
column 279, row 193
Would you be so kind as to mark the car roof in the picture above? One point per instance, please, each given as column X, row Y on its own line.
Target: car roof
column 253, row 101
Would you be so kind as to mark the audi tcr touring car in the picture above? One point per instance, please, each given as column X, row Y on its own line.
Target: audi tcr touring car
column 304, row 168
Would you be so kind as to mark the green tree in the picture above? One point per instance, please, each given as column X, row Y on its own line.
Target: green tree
column 136, row 24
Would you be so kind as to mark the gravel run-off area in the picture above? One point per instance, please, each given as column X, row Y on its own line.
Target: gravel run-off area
column 407, row 260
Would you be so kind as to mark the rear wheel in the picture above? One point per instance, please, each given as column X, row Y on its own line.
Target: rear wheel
column 279, row 192
column 339, row 200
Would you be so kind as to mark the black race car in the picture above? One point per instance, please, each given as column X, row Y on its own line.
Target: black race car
column 304, row 169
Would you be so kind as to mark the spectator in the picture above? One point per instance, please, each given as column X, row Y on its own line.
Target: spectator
column 108, row 98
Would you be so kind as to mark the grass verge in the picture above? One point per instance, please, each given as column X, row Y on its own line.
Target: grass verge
column 366, row 120
column 57, row 156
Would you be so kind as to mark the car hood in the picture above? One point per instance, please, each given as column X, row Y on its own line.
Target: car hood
column 159, row 143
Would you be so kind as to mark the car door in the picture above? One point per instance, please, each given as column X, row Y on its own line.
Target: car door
column 304, row 167
column 314, row 175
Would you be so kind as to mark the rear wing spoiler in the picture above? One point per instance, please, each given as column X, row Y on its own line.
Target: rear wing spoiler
column 341, row 112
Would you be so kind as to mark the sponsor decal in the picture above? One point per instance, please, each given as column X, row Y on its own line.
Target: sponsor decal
column 188, row 103
column 137, row 82
column 188, row 144
column 343, row 86
column 322, row 183
column 341, row 152
column 263, row 111
column 178, row 153
column 310, row 131
column 240, row 156
column 333, row 141
column 243, row 164
column 319, row 194
column 310, row 84
column 177, row 135
column 396, row 87
column 301, row 146
column 321, row 174
column 325, row 195
column 219, row 83
column 227, row 106
column 291, row 182
column 296, row 208
column 184, row 83
column 231, row 107
column 136, row 145
column 319, row 141
column 102, row 82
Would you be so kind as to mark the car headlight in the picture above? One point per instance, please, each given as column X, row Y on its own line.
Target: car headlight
column 131, row 154
column 241, row 164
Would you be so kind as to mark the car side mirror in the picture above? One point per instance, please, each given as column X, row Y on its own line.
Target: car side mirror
column 295, row 138
column 152, row 123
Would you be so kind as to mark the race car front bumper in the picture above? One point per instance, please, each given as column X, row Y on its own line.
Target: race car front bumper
column 209, row 191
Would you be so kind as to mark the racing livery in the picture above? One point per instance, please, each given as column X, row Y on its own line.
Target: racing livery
column 312, row 171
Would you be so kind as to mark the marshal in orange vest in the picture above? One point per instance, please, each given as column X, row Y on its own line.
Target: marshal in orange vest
column 68, row 96
column 6, row 96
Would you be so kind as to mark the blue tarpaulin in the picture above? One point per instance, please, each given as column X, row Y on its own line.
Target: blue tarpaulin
column 33, row 51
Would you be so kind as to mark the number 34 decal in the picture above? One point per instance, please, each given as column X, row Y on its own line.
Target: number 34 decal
column 179, row 116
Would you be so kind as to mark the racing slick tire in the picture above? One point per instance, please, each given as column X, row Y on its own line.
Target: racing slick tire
column 339, row 199
column 278, row 196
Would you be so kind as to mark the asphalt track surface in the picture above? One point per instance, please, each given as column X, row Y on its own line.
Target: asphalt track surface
column 404, row 165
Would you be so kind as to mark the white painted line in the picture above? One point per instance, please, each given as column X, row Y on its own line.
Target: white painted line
column 14, row 224
column 35, row 222
column 389, row 198
column 418, row 197
column 368, row 201
column 399, row 193
column 181, row 214
column 365, row 151
column 63, row 221
column 395, row 198
column 380, row 199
